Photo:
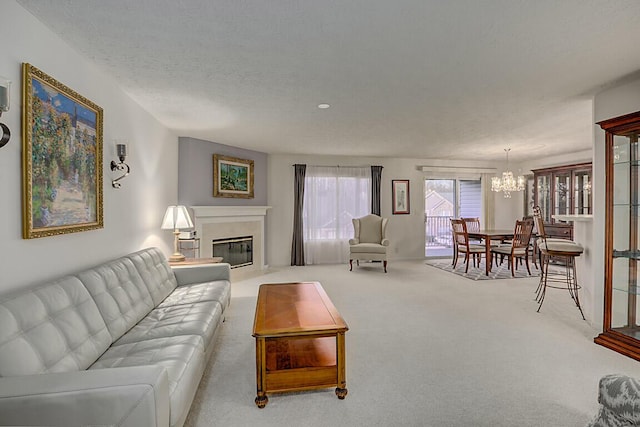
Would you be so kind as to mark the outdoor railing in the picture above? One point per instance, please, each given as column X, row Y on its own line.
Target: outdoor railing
column 438, row 231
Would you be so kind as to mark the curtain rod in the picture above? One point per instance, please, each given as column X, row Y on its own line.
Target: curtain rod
column 338, row 166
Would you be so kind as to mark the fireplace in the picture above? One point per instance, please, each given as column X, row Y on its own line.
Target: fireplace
column 237, row 251
column 225, row 222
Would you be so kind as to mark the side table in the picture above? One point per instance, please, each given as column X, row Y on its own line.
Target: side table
column 191, row 245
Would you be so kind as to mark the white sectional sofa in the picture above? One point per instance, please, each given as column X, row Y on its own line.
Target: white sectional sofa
column 122, row 344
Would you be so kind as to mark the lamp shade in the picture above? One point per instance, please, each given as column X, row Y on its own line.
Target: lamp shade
column 176, row 217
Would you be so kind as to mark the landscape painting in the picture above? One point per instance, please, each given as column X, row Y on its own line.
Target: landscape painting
column 62, row 158
column 232, row 177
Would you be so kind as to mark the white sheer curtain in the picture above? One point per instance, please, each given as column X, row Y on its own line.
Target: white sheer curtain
column 332, row 197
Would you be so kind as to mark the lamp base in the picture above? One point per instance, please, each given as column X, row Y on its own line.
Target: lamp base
column 177, row 257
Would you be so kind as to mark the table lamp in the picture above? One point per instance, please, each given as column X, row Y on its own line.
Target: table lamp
column 175, row 218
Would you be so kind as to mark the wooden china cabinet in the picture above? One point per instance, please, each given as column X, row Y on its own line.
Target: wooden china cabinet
column 621, row 331
column 562, row 190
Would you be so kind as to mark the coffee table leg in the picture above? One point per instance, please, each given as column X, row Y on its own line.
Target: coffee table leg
column 261, row 359
column 341, row 389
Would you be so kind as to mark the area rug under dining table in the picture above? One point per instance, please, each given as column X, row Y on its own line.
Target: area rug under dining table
column 478, row 273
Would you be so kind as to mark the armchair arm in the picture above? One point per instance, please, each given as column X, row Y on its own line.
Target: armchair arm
column 200, row 273
column 354, row 241
column 131, row 397
column 385, row 242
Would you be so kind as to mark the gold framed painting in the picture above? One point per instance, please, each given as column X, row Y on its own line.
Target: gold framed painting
column 61, row 158
column 232, row 177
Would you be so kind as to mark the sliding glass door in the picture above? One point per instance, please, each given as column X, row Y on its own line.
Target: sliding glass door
column 445, row 199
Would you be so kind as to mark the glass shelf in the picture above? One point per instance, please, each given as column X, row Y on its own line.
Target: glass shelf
column 634, row 163
column 633, row 290
column 626, row 254
column 633, row 332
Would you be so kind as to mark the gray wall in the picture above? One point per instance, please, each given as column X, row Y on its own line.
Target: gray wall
column 195, row 173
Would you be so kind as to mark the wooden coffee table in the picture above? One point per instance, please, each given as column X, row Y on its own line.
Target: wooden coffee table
column 300, row 340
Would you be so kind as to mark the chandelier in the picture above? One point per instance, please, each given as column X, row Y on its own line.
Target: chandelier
column 507, row 183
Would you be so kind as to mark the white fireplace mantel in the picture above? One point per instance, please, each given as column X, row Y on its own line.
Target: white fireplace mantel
column 229, row 211
column 205, row 216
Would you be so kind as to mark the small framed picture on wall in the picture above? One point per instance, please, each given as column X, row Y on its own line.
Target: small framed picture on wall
column 400, row 196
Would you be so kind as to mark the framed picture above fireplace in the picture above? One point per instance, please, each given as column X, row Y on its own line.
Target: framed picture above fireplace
column 232, row 177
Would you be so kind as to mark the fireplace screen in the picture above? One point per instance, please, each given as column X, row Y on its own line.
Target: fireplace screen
column 237, row 251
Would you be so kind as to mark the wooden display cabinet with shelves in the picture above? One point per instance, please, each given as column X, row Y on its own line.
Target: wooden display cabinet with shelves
column 562, row 190
column 621, row 331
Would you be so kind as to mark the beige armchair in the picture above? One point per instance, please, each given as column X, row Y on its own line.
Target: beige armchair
column 369, row 242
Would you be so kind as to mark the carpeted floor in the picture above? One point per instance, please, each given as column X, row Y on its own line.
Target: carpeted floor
column 478, row 273
column 425, row 348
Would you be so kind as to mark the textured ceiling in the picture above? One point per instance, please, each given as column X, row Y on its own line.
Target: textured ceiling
column 454, row 79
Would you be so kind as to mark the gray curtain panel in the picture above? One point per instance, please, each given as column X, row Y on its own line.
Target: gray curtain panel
column 297, row 245
column 376, row 181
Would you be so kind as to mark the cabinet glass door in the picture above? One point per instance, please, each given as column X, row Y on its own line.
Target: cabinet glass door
column 544, row 196
column 582, row 192
column 625, row 274
column 562, row 194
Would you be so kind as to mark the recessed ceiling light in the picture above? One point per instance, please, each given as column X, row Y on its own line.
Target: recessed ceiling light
column 323, row 106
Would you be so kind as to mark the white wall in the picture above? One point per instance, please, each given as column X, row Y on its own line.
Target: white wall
column 610, row 103
column 132, row 214
column 406, row 232
column 559, row 160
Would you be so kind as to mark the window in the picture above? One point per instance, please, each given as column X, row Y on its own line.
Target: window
column 332, row 197
column 446, row 199
column 470, row 201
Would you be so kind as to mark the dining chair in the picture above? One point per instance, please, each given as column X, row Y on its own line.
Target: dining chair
column 519, row 247
column 461, row 244
column 473, row 224
column 532, row 243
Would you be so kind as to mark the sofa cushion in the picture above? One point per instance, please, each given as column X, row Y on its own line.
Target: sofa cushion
column 120, row 294
column 155, row 272
column 56, row 327
column 219, row 291
column 183, row 358
column 200, row 318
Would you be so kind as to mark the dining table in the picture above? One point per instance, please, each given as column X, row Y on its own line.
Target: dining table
column 487, row 236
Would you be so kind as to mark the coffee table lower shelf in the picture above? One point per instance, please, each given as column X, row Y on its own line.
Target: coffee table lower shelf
column 299, row 363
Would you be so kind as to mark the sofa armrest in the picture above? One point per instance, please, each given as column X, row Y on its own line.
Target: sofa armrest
column 385, row 242
column 131, row 396
column 354, row 241
column 201, row 273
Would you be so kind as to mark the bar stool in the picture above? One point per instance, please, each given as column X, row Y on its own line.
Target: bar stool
column 557, row 248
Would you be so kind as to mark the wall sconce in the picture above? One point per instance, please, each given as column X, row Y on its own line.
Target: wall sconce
column 121, row 150
column 5, row 85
